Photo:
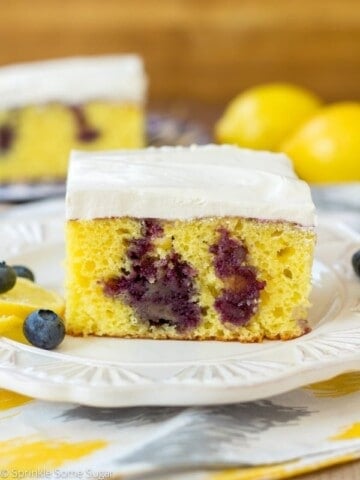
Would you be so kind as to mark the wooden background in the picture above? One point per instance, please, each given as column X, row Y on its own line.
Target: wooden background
column 206, row 50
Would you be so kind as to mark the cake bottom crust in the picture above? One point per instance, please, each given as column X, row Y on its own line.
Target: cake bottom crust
column 189, row 337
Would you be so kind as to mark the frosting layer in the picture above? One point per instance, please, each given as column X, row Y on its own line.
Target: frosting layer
column 187, row 182
column 73, row 80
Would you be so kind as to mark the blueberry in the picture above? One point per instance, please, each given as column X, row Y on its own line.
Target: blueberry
column 44, row 329
column 23, row 272
column 7, row 277
column 356, row 262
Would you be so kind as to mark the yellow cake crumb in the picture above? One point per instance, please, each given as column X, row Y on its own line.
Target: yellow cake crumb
column 43, row 135
column 280, row 252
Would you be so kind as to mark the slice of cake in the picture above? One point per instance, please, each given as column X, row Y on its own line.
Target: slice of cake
column 195, row 243
column 47, row 108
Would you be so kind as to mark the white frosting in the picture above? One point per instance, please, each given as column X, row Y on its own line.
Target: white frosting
column 185, row 183
column 73, row 80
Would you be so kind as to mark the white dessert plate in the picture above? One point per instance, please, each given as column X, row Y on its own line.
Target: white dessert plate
column 109, row 372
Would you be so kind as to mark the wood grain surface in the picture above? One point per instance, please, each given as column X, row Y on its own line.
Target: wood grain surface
column 202, row 49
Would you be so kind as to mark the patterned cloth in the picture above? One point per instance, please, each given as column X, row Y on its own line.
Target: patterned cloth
column 296, row 432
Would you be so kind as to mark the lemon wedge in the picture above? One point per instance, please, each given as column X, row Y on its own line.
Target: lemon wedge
column 27, row 296
column 11, row 326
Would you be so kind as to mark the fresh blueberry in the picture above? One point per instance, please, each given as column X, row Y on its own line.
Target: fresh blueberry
column 7, row 277
column 356, row 262
column 23, row 272
column 44, row 329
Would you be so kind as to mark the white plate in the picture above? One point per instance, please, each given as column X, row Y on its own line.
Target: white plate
column 118, row 372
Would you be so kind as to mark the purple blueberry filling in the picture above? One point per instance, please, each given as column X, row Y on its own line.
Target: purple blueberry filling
column 85, row 133
column 162, row 291
column 7, row 136
column 229, row 255
column 239, row 299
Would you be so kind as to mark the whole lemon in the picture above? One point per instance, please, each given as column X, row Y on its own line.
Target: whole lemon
column 262, row 117
column 327, row 147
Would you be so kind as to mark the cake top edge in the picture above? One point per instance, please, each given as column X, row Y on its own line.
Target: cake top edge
column 187, row 182
column 73, row 80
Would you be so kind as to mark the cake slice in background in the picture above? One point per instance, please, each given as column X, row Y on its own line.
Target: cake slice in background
column 188, row 243
column 49, row 107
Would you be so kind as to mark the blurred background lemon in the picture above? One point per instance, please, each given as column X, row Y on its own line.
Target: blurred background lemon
column 263, row 116
column 327, row 147
column 323, row 141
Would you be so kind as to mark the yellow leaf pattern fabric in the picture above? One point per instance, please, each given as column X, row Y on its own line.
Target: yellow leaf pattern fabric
column 321, row 424
column 24, row 454
column 10, row 400
column 337, row 387
column 349, row 433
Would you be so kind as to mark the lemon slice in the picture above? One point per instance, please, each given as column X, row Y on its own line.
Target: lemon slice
column 263, row 116
column 11, row 326
column 27, row 296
